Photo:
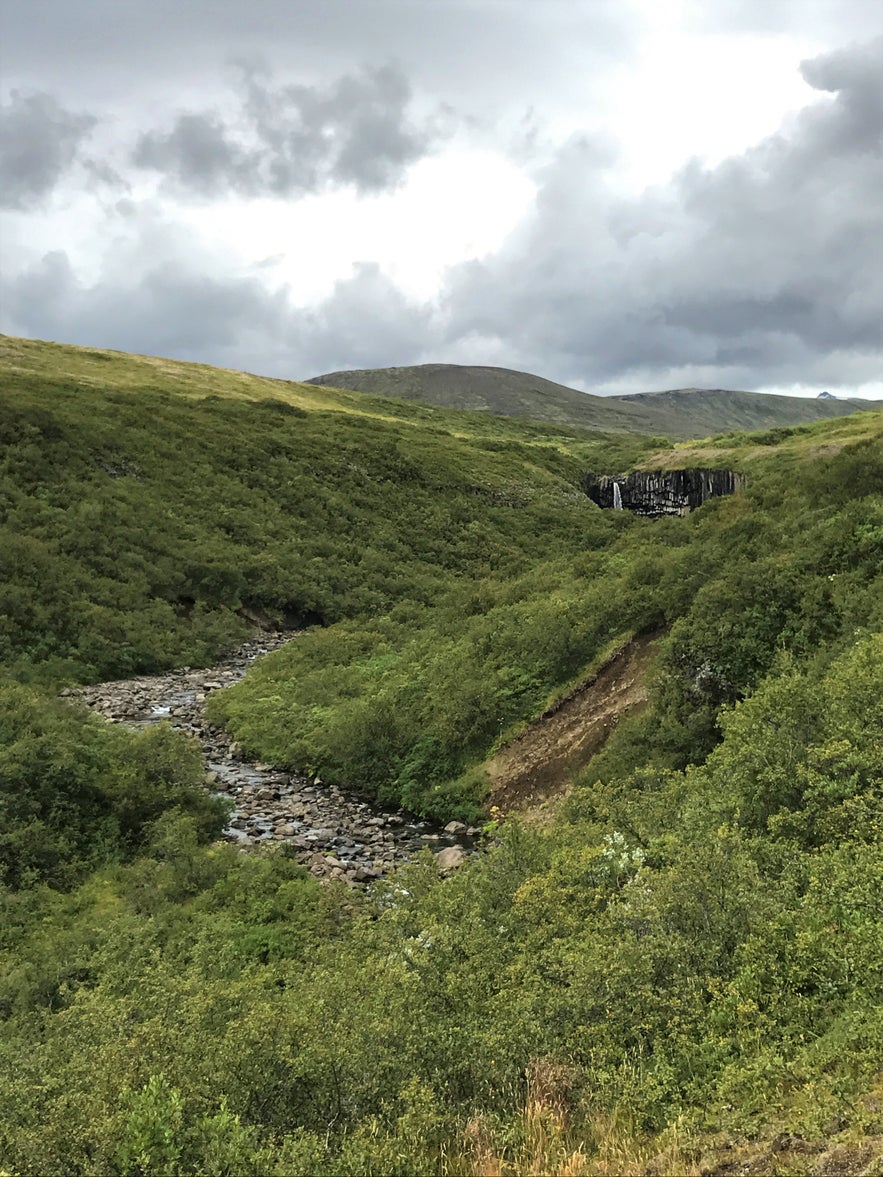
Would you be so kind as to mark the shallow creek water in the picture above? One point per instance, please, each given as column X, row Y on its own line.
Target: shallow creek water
column 335, row 833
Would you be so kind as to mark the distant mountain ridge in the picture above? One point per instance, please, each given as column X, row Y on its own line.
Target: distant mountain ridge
column 677, row 413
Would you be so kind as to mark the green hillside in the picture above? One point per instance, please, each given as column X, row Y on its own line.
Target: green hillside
column 679, row 972
column 680, row 413
column 148, row 503
column 491, row 390
column 684, row 412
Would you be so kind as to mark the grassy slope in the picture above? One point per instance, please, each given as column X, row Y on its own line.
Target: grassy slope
column 491, row 390
column 36, row 363
column 680, row 413
column 144, row 502
column 691, row 411
column 694, row 951
column 741, row 449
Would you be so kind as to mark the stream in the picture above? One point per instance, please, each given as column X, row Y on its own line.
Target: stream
column 336, row 834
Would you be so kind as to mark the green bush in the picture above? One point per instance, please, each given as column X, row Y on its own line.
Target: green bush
column 76, row 792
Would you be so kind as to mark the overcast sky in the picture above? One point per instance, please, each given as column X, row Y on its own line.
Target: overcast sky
column 617, row 194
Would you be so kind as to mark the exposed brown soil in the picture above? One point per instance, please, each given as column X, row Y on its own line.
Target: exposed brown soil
column 794, row 1157
column 539, row 764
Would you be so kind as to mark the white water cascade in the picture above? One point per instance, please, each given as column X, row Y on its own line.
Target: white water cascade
column 617, row 497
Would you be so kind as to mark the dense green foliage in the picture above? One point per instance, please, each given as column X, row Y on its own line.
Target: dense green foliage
column 75, row 791
column 135, row 522
column 404, row 703
column 709, row 964
column 693, row 943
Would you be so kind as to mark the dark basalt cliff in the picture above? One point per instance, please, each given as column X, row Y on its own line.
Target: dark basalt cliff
column 661, row 492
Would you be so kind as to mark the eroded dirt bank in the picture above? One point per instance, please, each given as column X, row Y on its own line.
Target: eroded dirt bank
column 538, row 765
column 333, row 832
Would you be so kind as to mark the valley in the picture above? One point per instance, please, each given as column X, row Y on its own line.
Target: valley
column 526, row 835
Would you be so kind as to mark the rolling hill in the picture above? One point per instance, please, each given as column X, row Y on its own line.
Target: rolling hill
column 679, row 413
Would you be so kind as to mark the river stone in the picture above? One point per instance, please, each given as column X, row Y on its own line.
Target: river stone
column 449, row 859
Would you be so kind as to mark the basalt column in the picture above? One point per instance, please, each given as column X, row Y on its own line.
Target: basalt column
column 661, row 492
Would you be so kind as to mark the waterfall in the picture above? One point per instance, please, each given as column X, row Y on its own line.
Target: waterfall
column 617, row 497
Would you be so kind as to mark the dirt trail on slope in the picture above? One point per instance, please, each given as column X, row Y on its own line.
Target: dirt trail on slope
column 539, row 764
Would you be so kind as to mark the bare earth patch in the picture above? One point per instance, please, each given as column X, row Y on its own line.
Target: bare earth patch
column 791, row 1156
column 538, row 765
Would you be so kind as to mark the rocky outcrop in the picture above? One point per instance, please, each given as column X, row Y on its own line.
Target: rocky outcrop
column 661, row 492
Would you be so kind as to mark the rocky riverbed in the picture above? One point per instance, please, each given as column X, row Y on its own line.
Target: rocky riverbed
column 335, row 834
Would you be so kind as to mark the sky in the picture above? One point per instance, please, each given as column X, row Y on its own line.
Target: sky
column 621, row 195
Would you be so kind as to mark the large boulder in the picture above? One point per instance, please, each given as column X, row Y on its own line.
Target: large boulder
column 449, row 859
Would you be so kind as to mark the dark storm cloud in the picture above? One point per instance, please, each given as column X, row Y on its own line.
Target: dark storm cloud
column 289, row 140
column 39, row 142
column 765, row 269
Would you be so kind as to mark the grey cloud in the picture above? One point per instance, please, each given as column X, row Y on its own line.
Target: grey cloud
column 295, row 139
column 39, row 142
column 198, row 153
column 366, row 322
column 479, row 51
column 170, row 308
column 766, row 269
column 855, row 122
column 180, row 306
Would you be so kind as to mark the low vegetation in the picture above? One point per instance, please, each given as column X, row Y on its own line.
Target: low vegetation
column 143, row 510
column 683, row 972
column 681, row 412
